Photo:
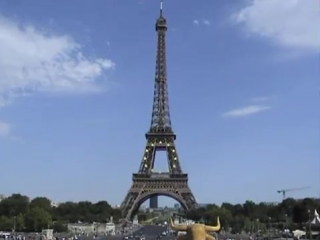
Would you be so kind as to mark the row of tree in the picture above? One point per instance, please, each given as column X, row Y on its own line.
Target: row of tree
column 18, row 213
column 252, row 217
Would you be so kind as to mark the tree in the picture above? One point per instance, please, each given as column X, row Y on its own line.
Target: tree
column 5, row 223
column 225, row 216
column 41, row 202
column 19, row 222
column 249, row 209
column 67, row 212
column 37, row 219
column 14, row 205
column 103, row 210
column 116, row 214
column 251, row 216
column 16, row 211
column 300, row 213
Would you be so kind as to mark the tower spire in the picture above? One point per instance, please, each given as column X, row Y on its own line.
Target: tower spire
column 161, row 7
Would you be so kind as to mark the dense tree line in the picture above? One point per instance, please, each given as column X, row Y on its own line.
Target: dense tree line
column 251, row 217
column 18, row 213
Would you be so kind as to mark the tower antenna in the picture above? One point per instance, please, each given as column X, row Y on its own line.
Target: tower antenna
column 161, row 7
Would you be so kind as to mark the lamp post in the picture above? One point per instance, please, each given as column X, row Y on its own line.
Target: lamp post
column 285, row 226
column 269, row 229
column 257, row 228
column 309, row 224
column 14, row 223
column 13, row 212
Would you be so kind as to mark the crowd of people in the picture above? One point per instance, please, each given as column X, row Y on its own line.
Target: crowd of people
column 122, row 231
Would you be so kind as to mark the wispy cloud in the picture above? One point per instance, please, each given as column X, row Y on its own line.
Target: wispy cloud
column 245, row 111
column 196, row 22
column 201, row 22
column 32, row 60
column 290, row 23
column 206, row 22
column 5, row 129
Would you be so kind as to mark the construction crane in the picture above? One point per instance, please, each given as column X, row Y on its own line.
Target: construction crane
column 284, row 191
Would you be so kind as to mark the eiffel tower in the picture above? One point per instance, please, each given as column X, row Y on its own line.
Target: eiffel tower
column 148, row 184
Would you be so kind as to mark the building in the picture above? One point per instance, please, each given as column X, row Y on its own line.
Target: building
column 271, row 203
column 176, row 206
column 54, row 204
column 48, row 233
column 79, row 228
column 153, row 202
column 89, row 228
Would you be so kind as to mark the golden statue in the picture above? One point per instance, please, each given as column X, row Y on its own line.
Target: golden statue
column 195, row 231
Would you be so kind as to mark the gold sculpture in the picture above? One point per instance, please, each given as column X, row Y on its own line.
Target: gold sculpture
column 195, row 231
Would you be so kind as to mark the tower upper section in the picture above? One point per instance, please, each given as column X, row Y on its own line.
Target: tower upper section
column 161, row 122
column 161, row 23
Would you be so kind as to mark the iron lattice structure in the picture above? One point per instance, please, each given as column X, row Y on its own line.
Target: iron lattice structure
column 160, row 137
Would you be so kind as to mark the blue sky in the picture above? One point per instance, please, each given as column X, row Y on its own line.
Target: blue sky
column 76, row 85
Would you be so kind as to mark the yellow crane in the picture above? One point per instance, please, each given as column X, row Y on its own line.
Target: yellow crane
column 284, row 191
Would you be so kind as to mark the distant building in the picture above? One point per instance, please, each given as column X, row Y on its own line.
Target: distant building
column 48, row 233
column 104, row 228
column 78, row 228
column 176, row 206
column 153, row 202
column 271, row 203
column 54, row 204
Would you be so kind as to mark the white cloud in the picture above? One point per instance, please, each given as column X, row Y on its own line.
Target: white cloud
column 203, row 22
column 34, row 61
column 245, row 111
column 5, row 129
column 290, row 23
column 206, row 22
